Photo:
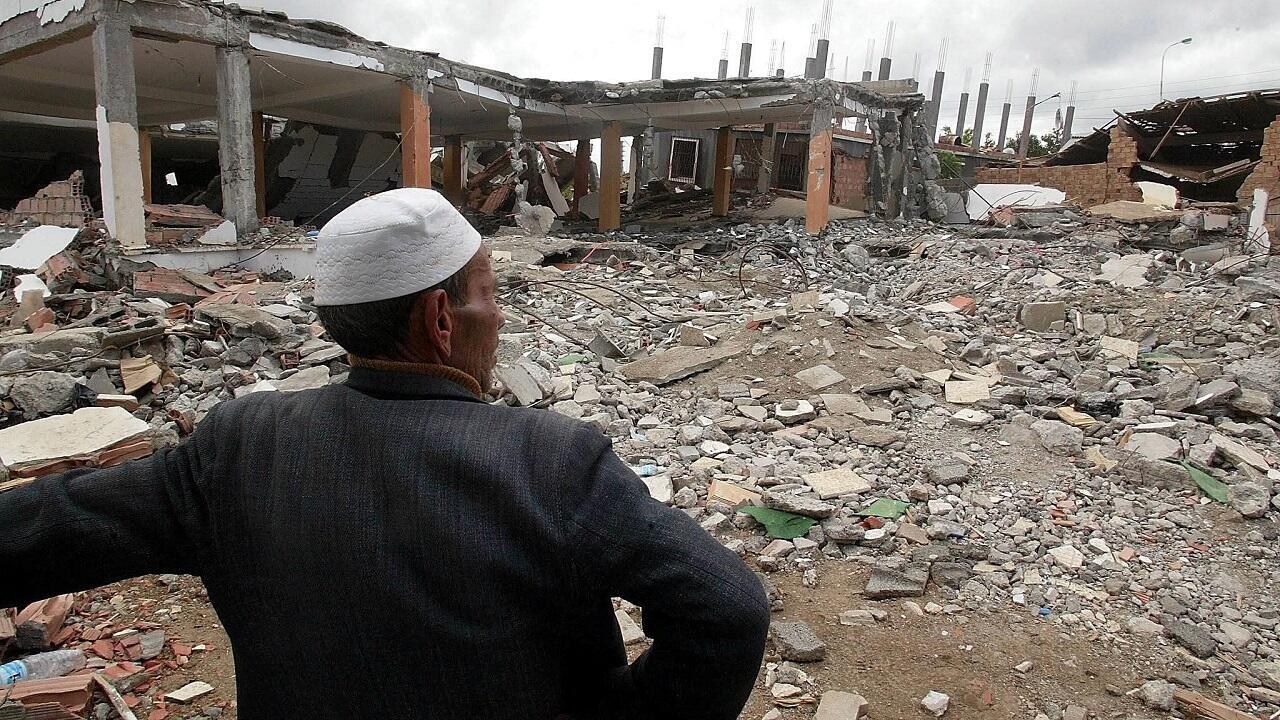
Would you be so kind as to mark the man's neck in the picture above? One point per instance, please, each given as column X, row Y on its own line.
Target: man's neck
column 452, row 374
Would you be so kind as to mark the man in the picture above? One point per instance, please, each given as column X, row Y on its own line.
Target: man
column 394, row 547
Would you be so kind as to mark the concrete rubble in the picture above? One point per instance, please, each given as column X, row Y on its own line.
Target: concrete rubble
column 1095, row 456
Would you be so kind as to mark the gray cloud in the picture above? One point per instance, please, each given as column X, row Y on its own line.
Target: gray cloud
column 1111, row 48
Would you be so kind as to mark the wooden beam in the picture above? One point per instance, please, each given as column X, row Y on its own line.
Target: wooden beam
column 1199, row 706
column 415, row 133
column 610, row 176
column 260, row 133
column 722, row 173
column 817, row 210
column 144, row 155
column 581, row 172
column 453, row 170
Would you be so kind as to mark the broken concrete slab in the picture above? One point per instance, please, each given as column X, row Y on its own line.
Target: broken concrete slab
column 820, row 377
column 1128, row 271
column 81, row 435
column 839, row 705
column 245, row 320
column 830, row 484
column 967, row 392
column 1041, row 316
column 308, row 379
column 679, row 362
column 888, row 581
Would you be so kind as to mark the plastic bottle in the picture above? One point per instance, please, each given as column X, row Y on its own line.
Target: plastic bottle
column 42, row 666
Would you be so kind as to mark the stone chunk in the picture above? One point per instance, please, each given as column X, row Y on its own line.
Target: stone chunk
column 820, row 377
column 967, row 392
column 1197, row 640
column 874, row 436
column 1058, row 438
column 887, row 581
column 43, row 393
column 246, row 320
column 1249, row 499
column 791, row 412
column 631, row 632
column 1067, row 556
column 936, row 703
column 189, row 692
column 799, row 504
column 1268, row 672
column 1154, row 446
column 834, row 483
column 679, row 362
column 796, row 641
column 839, row 705
column 309, row 379
column 1040, row 316
column 1157, row 694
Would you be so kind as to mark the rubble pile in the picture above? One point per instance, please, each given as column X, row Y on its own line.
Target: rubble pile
column 1048, row 424
column 1054, row 424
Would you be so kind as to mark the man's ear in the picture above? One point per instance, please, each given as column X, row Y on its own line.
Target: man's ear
column 436, row 315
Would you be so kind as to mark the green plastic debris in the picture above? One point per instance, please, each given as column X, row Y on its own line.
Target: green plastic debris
column 778, row 524
column 1208, row 484
column 571, row 358
column 887, row 508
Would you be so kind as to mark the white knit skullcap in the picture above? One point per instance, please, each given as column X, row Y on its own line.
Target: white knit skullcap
column 391, row 244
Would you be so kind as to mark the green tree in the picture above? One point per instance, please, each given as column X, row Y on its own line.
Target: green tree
column 951, row 165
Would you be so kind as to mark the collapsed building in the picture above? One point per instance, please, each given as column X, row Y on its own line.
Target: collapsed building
column 303, row 117
column 1221, row 149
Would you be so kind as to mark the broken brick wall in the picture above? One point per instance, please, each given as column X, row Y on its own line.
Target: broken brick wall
column 1083, row 184
column 1266, row 176
column 849, row 181
column 1088, row 185
column 1122, row 158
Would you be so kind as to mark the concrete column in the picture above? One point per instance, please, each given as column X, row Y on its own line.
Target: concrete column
column 862, row 121
column 581, row 171
column 144, row 154
column 610, row 176
column 808, row 68
column 981, row 116
column 1004, row 127
column 765, row 179
column 781, row 73
column 817, row 209
column 655, row 72
column 964, row 110
column 886, row 65
column 820, row 58
column 723, row 71
column 1066, row 126
column 722, row 177
column 118, row 150
column 1024, row 142
column 454, row 170
column 935, row 104
column 744, row 60
column 235, row 138
column 415, row 133
column 635, row 180
column 260, row 163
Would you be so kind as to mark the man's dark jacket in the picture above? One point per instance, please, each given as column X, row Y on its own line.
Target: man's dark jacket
column 395, row 548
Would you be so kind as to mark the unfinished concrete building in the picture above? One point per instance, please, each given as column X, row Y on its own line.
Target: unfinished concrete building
column 135, row 76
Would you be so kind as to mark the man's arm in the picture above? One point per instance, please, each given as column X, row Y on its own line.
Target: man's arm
column 86, row 528
column 704, row 609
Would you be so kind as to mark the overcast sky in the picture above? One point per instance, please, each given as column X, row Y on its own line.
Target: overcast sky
column 1111, row 48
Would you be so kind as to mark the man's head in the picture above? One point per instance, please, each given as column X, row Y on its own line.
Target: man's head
column 402, row 276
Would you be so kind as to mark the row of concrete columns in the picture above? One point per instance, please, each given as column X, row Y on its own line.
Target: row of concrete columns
column 125, row 148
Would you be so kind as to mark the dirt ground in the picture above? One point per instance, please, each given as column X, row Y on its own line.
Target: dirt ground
column 893, row 663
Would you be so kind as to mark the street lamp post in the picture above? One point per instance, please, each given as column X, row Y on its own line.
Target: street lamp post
column 1183, row 41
